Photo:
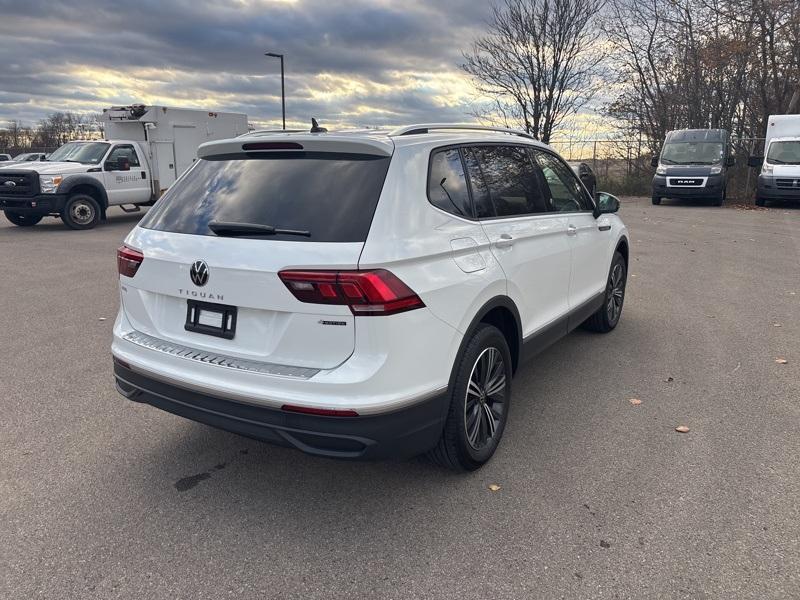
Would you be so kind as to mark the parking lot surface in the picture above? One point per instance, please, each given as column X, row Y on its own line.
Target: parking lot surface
column 598, row 497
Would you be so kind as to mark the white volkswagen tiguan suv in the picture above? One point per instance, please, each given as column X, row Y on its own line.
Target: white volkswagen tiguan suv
column 363, row 294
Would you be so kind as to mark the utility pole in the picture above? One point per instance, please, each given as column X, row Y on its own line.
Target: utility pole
column 283, row 89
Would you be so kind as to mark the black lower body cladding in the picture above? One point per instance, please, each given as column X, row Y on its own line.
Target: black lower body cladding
column 404, row 433
column 778, row 188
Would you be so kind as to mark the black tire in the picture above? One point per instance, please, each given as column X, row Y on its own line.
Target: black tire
column 721, row 200
column 22, row 220
column 463, row 447
column 607, row 316
column 656, row 200
column 81, row 212
column 760, row 201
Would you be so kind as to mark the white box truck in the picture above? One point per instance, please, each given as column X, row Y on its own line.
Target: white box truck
column 146, row 148
column 779, row 178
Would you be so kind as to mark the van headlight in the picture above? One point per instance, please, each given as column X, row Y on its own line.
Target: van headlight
column 767, row 169
column 715, row 170
column 49, row 183
column 661, row 170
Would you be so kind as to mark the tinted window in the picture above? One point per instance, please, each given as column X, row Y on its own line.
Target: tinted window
column 447, row 186
column 333, row 196
column 692, row 153
column 566, row 192
column 481, row 199
column 508, row 176
column 124, row 152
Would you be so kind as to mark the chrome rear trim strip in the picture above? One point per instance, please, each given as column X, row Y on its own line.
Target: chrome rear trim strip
column 219, row 360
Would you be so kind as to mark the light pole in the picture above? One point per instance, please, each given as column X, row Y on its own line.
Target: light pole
column 283, row 92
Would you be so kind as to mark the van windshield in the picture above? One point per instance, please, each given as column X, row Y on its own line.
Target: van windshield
column 89, row 153
column 692, row 153
column 330, row 196
column 784, row 153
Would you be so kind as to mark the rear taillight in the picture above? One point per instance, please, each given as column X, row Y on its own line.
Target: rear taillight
column 367, row 293
column 128, row 261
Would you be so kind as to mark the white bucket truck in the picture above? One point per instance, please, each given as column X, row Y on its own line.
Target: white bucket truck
column 146, row 148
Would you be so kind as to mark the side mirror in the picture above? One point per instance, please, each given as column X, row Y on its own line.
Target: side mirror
column 110, row 165
column 755, row 161
column 607, row 203
column 654, row 161
column 731, row 161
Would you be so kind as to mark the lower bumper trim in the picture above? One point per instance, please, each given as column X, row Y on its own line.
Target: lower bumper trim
column 400, row 434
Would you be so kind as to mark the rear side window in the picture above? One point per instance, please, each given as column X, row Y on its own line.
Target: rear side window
column 511, row 181
column 447, row 184
column 332, row 196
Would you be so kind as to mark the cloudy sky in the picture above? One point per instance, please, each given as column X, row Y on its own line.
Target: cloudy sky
column 353, row 62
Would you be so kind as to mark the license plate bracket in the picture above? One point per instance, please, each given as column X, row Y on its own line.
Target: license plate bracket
column 208, row 318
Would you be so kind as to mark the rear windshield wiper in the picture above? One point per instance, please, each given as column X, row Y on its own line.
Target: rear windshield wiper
column 226, row 229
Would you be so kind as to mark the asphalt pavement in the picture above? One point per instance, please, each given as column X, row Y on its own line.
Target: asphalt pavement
column 599, row 498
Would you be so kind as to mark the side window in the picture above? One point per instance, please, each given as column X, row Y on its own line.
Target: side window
column 124, row 152
column 510, row 180
column 480, row 191
column 447, row 185
column 566, row 192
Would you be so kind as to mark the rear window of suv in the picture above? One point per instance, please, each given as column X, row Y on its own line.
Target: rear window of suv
column 331, row 196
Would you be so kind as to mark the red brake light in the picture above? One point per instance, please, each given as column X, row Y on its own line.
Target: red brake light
column 324, row 412
column 272, row 146
column 128, row 261
column 376, row 292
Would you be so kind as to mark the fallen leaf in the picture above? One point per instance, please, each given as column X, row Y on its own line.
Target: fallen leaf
column 669, row 380
column 682, row 429
column 635, row 401
column 776, row 324
column 604, row 544
column 494, row 487
column 101, row 319
column 781, row 361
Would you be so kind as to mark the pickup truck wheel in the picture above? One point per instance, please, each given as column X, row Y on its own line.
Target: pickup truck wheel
column 607, row 316
column 22, row 220
column 81, row 212
column 760, row 201
column 656, row 200
column 479, row 401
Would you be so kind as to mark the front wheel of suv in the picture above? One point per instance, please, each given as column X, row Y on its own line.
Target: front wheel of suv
column 480, row 398
column 607, row 316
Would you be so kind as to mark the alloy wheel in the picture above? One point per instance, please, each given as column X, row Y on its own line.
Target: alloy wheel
column 485, row 400
column 616, row 293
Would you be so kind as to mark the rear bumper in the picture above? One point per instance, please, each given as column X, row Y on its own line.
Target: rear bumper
column 39, row 204
column 400, row 434
column 768, row 190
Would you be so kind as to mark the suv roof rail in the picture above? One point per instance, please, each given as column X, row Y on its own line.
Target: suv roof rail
column 428, row 127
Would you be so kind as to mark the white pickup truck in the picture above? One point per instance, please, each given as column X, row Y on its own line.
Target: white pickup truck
column 146, row 148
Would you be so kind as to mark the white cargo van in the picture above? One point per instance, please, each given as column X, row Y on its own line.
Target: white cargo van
column 146, row 148
column 779, row 178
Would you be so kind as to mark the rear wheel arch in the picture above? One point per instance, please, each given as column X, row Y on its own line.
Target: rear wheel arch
column 502, row 313
column 623, row 248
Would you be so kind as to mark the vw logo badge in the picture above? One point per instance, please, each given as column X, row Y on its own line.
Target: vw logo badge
column 10, row 184
column 199, row 273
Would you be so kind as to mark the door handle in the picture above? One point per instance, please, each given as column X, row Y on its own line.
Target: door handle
column 505, row 241
column 572, row 230
column 604, row 227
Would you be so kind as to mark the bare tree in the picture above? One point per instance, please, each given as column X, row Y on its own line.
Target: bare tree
column 539, row 63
